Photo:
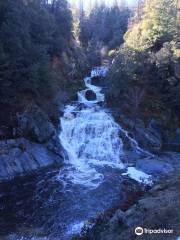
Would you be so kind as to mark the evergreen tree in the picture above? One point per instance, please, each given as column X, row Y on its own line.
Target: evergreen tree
column 158, row 25
column 104, row 24
column 32, row 33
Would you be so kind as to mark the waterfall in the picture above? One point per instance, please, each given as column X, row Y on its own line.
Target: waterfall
column 91, row 178
column 90, row 136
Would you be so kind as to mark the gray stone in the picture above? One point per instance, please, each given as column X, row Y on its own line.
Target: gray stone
column 90, row 95
column 96, row 81
column 148, row 139
column 151, row 166
column 35, row 125
column 54, row 145
column 20, row 157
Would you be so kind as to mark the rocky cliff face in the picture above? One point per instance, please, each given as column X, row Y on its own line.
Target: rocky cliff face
column 158, row 208
column 30, row 141
column 152, row 135
column 20, row 157
column 143, row 87
column 34, row 124
column 149, row 136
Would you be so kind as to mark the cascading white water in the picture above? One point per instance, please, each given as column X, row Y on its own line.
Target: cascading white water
column 89, row 181
column 90, row 137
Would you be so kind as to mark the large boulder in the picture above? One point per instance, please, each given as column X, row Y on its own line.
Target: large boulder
column 148, row 138
column 90, row 95
column 95, row 81
column 20, row 157
column 154, row 167
column 35, row 125
column 159, row 208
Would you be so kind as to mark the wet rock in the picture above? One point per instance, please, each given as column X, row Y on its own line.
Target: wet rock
column 95, row 81
column 148, row 139
column 35, row 125
column 54, row 145
column 157, row 209
column 20, row 157
column 90, row 95
column 151, row 166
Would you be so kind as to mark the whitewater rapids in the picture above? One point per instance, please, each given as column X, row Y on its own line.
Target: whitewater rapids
column 90, row 137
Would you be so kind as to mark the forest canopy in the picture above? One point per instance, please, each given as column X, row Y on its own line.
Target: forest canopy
column 159, row 23
column 32, row 34
column 145, row 76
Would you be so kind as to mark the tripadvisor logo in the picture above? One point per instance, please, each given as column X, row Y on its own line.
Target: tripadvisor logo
column 139, row 231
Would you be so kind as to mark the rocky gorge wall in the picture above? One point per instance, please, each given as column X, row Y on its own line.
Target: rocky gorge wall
column 30, row 142
column 156, row 209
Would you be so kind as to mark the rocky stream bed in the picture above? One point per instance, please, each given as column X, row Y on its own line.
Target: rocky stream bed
column 96, row 180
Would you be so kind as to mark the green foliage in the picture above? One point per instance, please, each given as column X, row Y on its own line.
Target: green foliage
column 146, row 83
column 158, row 25
column 145, row 77
column 31, row 34
column 128, row 71
column 104, row 24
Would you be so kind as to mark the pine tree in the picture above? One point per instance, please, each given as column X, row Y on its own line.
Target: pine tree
column 158, row 25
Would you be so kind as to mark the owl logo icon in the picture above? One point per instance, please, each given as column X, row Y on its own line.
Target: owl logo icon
column 139, row 231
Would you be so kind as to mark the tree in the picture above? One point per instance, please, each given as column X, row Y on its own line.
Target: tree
column 32, row 33
column 104, row 25
column 158, row 25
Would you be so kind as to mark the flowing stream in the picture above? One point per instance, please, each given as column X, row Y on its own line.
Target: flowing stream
column 90, row 137
column 55, row 204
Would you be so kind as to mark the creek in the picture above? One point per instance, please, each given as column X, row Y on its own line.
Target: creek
column 55, row 204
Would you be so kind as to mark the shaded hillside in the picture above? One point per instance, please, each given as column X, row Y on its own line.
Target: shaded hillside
column 144, row 80
column 39, row 60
